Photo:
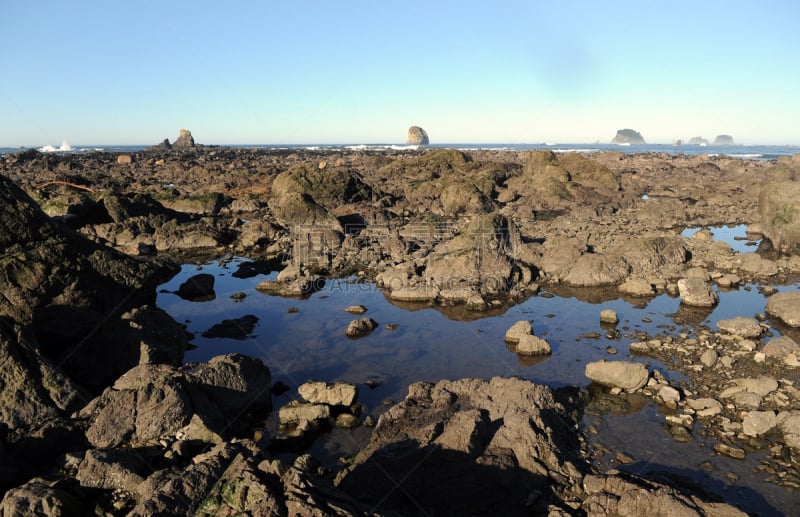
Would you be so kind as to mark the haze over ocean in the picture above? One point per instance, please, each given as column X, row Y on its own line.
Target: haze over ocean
column 99, row 73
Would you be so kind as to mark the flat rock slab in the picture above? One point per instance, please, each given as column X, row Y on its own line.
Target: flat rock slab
column 741, row 326
column 336, row 394
column 780, row 347
column 618, row 374
column 785, row 306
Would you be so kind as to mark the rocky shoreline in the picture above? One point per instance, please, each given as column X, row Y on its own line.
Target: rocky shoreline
column 99, row 414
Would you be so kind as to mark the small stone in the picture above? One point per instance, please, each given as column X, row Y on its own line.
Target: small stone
column 347, row 421
column 361, row 327
column 124, row 159
column 727, row 450
column 369, row 421
column 609, row 316
column 669, row 394
column 709, row 358
column 238, row 296
column 624, row 459
column 356, row 309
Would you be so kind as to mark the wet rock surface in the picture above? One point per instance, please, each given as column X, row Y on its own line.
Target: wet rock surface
column 125, row 429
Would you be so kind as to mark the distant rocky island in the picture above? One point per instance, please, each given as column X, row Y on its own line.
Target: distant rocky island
column 698, row 140
column 417, row 136
column 185, row 140
column 627, row 137
column 724, row 140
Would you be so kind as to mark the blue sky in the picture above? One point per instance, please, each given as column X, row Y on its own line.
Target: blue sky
column 263, row 72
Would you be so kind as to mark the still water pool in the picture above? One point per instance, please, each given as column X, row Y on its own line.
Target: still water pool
column 304, row 339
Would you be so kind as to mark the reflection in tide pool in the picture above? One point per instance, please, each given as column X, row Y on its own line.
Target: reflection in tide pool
column 303, row 339
column 734, row 236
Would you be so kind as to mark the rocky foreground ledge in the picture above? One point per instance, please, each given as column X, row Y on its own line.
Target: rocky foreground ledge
column 99, row 415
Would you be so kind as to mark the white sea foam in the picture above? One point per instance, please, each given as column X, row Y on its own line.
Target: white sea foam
column 586, row 150
column 746, row 155
column 65, row 148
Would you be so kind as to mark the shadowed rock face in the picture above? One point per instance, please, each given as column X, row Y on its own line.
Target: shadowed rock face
column 70, row 290
column 498, row 447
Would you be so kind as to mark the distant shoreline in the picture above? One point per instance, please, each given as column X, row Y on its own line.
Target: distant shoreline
column 756, row 152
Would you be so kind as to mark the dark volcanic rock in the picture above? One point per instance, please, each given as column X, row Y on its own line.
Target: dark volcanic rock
column 468, row 447
column 417, row 136
column 238, row 328
column 628, row 136
column 151, row 401
column 69, row 289
column 198, row 288
column 44, row 498
column 164, row 145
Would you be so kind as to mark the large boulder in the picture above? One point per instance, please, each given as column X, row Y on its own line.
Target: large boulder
column 151, row 401
column 549, row 180
column 779, row 207
column 479, row 260
column 637, row 257
column 696, row 292
column 417, row 136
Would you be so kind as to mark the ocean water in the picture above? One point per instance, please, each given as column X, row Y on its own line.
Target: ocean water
column 751, row 152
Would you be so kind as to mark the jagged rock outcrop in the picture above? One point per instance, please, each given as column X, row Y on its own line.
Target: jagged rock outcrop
column 496, row 447
column 628, row 136
column 417, row 136
column 184, row 141
column 451, row 447
column 151, row 401
column 69, row 290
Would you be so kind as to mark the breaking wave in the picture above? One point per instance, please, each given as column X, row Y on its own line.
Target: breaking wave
column 65, row 148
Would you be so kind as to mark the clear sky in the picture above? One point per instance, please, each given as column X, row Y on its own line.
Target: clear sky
column 272, row 72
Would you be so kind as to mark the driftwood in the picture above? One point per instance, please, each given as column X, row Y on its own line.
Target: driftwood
column 73, row 185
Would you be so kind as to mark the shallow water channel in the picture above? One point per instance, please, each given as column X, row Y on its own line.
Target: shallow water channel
column 304, row 339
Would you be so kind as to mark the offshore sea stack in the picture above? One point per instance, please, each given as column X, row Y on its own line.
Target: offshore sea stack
column 184, row 141
column 628, row 136
column 417, row 136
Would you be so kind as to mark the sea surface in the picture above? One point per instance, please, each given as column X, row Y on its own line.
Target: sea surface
column 752, row 152
column 304, row 339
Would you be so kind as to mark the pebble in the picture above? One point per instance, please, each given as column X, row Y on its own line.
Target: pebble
column 728, row 450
